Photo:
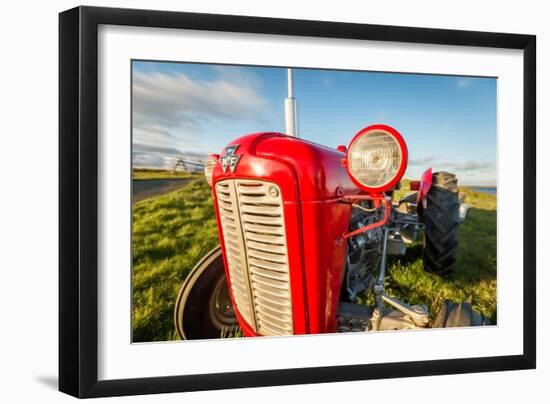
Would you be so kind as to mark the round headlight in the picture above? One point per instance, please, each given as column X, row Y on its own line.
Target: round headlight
column 209, row 165
column 377, row 158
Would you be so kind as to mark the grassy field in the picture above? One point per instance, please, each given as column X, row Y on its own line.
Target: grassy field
column 173, row 231
column 475, row 280
column 170, row 234
column 158, row 174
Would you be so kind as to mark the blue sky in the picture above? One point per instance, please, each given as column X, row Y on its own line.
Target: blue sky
column 448, row 122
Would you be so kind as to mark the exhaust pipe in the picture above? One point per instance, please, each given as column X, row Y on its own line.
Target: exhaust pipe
column 291, row 124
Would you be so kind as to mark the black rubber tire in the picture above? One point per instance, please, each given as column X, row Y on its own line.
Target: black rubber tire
column 197, row 313
column 458, row 315
column 441, row 222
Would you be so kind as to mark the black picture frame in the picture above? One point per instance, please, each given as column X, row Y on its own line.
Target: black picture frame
column 78, row 200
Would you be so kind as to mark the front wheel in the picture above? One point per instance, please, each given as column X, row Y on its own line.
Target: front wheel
column 441, row 221
column 203, row 308
column 459, row 315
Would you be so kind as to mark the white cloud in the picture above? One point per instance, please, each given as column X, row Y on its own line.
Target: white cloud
column 468, row 172
column 177, row 101
column 171, row 109
column 463, row 166
column 241, row 77
column 326, row 81
column 463, row 82
column 473, row 165
column 422, row 160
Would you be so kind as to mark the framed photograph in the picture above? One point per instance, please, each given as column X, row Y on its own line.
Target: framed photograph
column 251, row 201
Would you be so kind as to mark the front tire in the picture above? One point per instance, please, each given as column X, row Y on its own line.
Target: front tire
column 459, row 315
column 441, row 219
column 203, row 308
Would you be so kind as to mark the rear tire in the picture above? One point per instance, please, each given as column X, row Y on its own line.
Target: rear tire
column 441, row 219
column 203, row 308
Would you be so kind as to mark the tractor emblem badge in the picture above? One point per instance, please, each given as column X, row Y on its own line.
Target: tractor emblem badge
column 230, row 159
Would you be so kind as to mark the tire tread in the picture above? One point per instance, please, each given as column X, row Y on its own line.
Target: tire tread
column 441, row 218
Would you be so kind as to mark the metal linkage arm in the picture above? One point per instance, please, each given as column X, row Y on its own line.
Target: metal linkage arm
column 418, row 314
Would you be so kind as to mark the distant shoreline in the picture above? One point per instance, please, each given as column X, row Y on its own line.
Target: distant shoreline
column 485, row 190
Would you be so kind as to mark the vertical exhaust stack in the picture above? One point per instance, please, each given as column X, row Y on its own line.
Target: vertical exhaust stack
column 291, row 124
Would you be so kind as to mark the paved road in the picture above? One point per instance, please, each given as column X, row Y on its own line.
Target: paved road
column 143, row 189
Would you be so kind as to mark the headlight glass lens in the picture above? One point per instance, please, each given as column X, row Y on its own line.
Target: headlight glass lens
column 375, row 158
column 209, row 168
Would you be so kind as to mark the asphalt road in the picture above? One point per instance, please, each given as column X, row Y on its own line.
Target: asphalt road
column 143, row 189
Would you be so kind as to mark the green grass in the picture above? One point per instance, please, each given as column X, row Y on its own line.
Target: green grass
column 158, row 174
column 476, row 277
column 170, row 234
column 173, row 231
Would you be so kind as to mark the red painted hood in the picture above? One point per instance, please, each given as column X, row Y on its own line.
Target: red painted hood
column 317, row 169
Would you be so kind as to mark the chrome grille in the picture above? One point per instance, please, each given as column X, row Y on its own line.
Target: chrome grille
column 234, row 249
column 252, row 220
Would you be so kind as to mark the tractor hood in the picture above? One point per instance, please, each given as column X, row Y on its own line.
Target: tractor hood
column 307, row 171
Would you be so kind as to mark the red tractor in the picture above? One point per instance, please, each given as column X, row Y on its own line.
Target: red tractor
column 305, row 230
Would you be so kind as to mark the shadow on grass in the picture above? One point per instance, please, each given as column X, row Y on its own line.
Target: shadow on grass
column 474, row 280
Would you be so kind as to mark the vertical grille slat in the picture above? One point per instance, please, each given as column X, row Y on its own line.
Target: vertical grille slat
column 252, row 220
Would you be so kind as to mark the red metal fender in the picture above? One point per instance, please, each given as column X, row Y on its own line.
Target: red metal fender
column 425, row 185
